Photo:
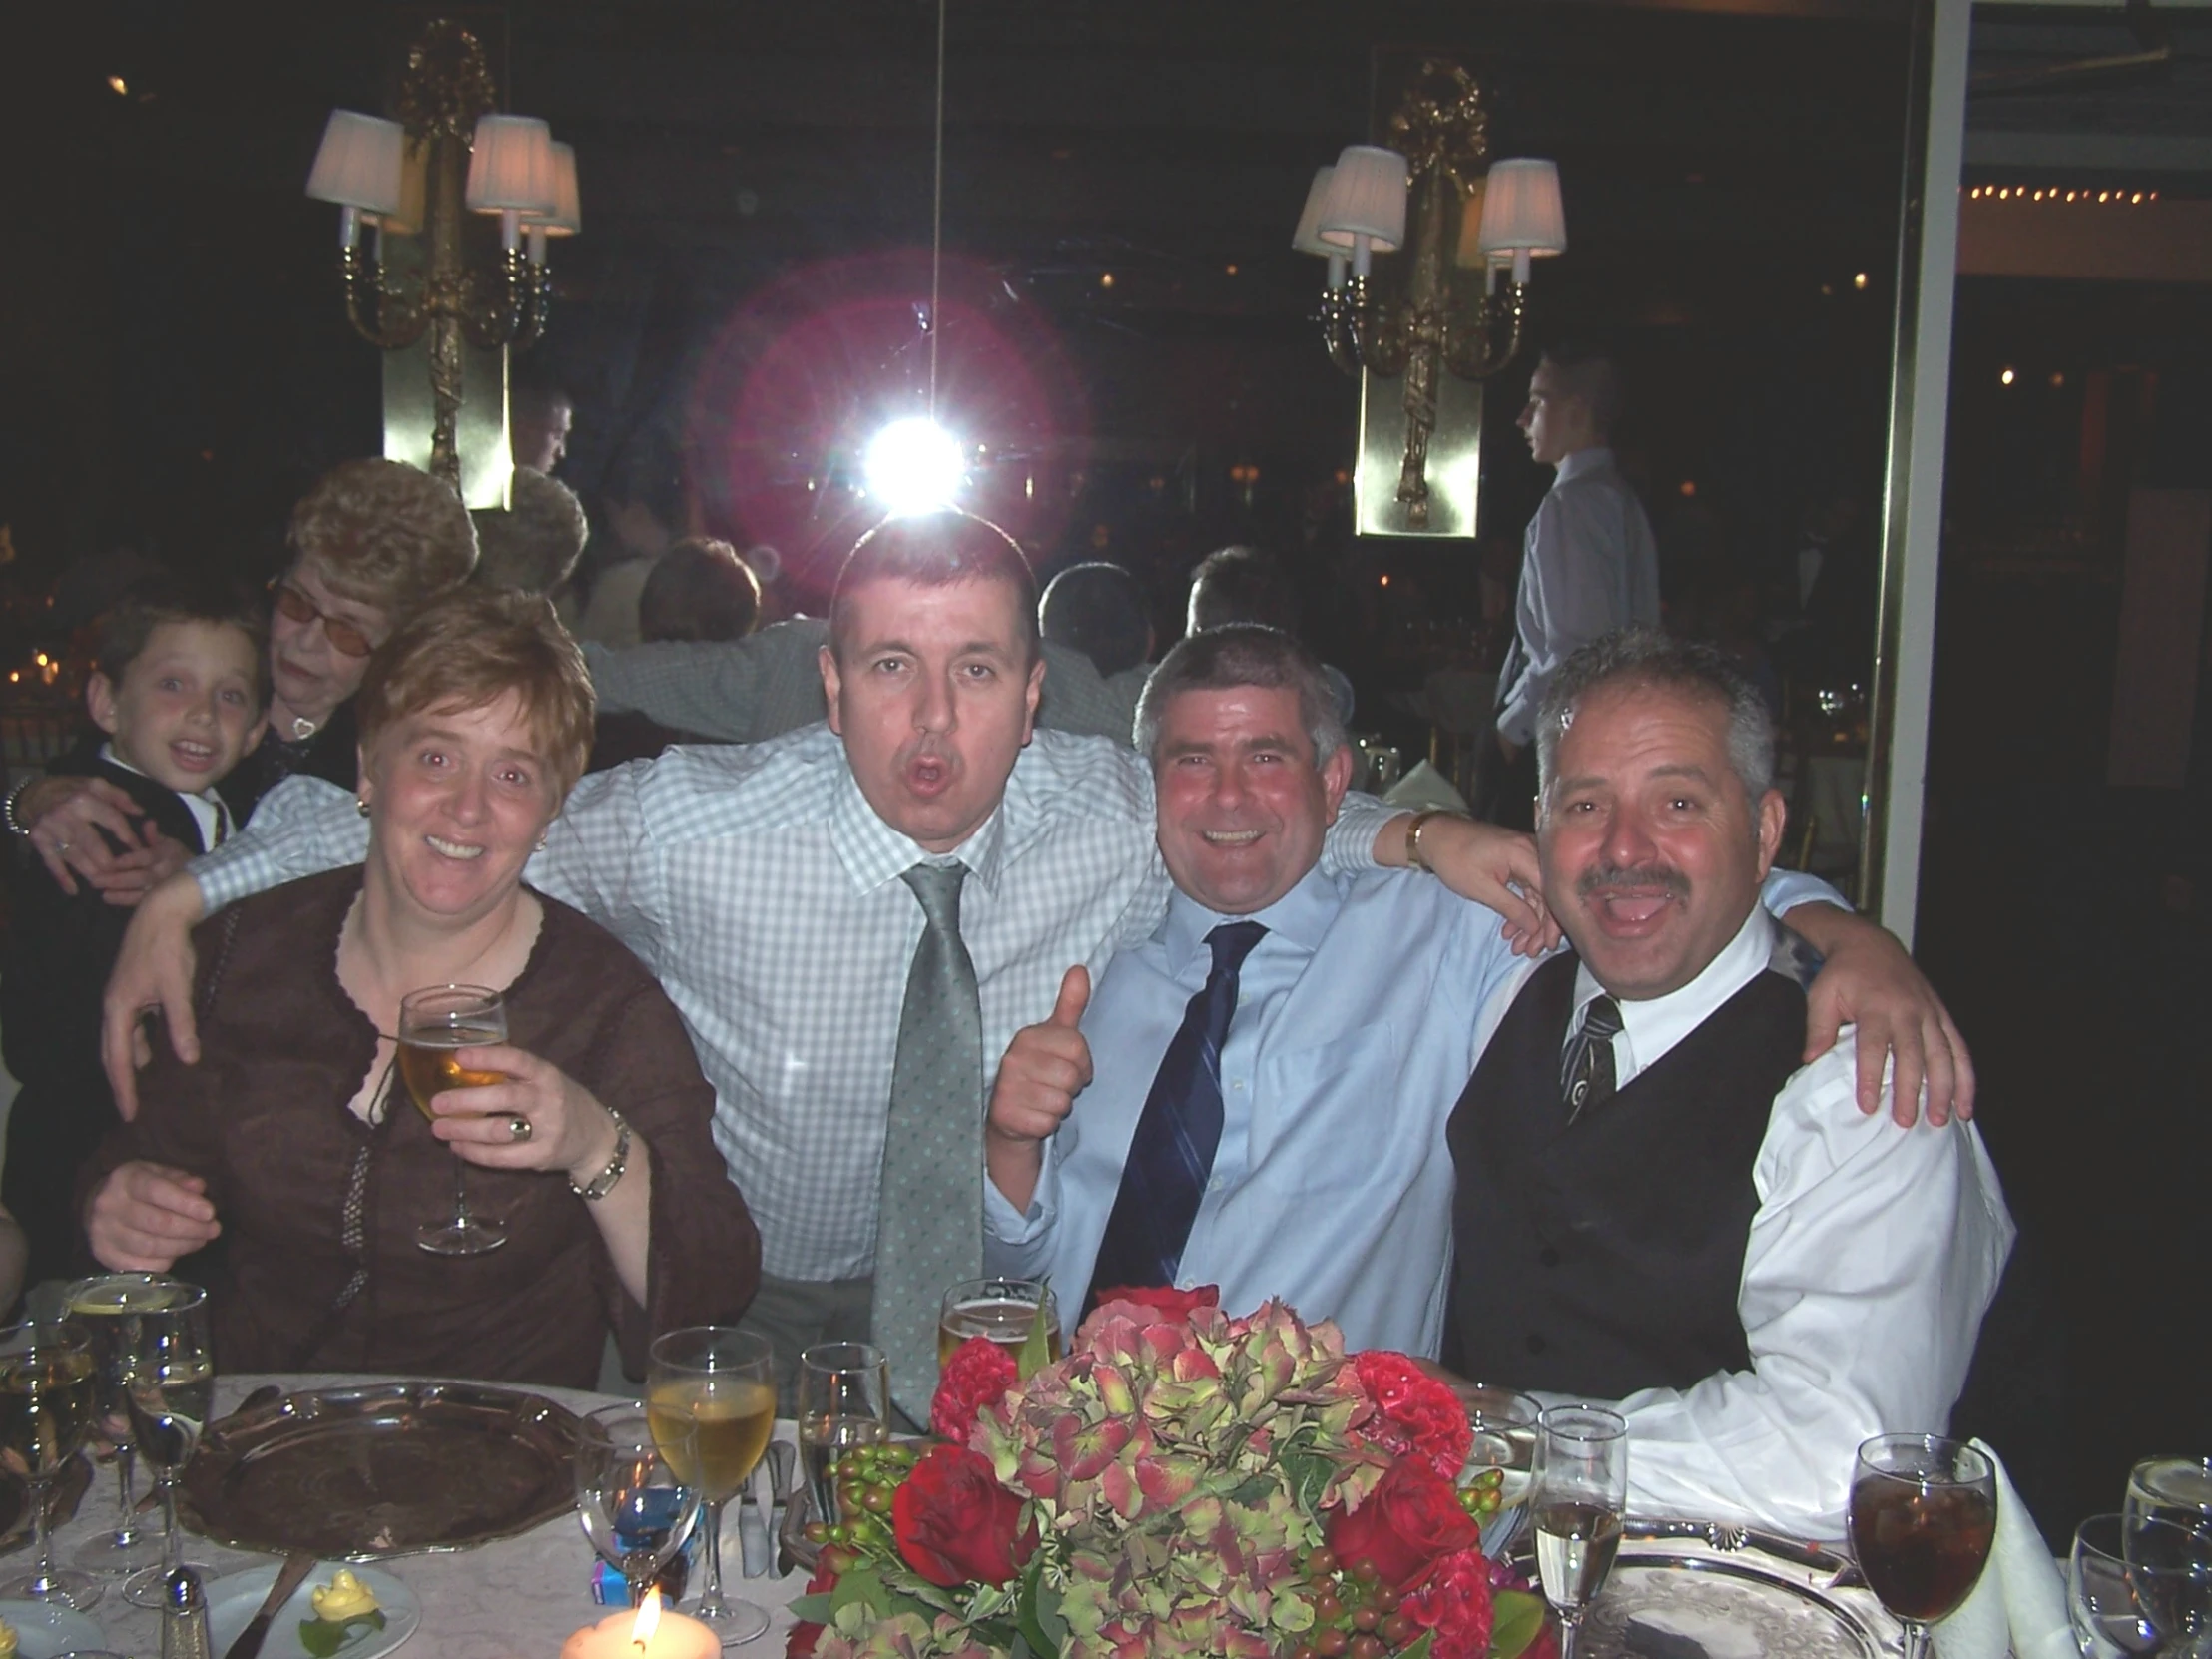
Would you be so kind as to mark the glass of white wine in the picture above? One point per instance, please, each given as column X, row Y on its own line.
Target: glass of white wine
column 435, row 1024
column 47, row 1398
column 711, row 1389
column 1580, row 1494
column 168, row 1398
column 845, row 1401
column 108, row 1307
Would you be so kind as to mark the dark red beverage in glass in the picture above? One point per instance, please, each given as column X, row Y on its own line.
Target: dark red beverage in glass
column 1922, row 1546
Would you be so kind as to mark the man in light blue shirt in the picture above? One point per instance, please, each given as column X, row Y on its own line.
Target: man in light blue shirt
column 1357, row 1021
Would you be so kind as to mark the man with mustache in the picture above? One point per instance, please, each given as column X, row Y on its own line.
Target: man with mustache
column 1659, row 1201
column 854, row 920
column 1256, row 1096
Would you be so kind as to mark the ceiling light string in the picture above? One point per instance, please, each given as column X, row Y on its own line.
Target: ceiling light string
column 936, row 220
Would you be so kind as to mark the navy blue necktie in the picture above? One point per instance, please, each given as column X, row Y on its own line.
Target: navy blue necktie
column 1172, row 1153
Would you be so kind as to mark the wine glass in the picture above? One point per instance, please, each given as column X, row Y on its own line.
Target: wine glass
column 1579, row 1494
column 1505, row 1436
column 108, row 1308
column 435, row 1024
column 716, row 1384
column 845, row 1392
column 48, row 1389
column 166, row 1398
column 2169, row 1504
column 635, row 1506
column 2122, row 1606
column 1004, row 1309
column 1923, row 1513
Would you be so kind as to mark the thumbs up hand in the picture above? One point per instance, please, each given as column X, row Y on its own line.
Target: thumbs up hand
column 1045, row 1068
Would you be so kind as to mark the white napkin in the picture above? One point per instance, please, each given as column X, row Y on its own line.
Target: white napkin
column 2019, row 1606
column 1422, row 788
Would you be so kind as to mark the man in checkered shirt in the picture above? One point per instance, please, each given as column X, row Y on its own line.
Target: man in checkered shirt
column 762, row 885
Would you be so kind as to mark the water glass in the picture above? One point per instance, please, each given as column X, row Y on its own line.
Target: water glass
column 169, row 1396
column 845, row 1392
column 634, row 1504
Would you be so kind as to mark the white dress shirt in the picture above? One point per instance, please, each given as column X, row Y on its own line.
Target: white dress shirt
column 1588, row 565
column 1873, row 1255
column 763, row 890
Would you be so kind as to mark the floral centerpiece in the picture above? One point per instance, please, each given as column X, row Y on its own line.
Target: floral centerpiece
column 1182, row 1482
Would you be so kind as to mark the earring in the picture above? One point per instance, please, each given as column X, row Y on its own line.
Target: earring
column 360, row 805
column 541, row 840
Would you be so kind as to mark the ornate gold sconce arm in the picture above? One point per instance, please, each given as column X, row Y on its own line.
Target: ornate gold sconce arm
column 1478, row 347
column 398, row 323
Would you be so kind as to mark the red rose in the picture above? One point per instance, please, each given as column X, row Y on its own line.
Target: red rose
column 978, row 1375
column 1406, row 1523
column 1420, row 1415
column 1453, row 1604
column 955, row 1524
column 1164, row 1299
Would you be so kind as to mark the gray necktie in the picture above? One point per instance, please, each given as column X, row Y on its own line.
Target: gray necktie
column 929, row 1219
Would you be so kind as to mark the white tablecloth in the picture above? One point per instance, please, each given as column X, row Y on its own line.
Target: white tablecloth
column 516, row 1599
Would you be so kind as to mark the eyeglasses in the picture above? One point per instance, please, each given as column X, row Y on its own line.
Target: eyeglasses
column 345, row 638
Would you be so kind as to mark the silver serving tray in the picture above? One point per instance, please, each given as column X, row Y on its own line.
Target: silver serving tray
column 395, row 1468
column 1785, row 1620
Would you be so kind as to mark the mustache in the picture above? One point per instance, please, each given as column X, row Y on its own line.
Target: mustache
column 1672, row 881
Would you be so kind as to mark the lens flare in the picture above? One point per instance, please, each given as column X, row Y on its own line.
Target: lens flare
column 912, row 466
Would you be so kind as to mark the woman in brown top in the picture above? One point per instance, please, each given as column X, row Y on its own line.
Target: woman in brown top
column 294, row 1126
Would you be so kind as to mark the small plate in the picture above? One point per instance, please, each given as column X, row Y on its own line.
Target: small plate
column 234, row 1600
column 44, row 1630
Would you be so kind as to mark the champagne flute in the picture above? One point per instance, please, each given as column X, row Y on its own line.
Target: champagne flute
column 1923, row 1513
column 167, row 1396
column 1004, row 1309
column 108, row 1308
column 1505, row 1436
column 636, row 1505
column 48, row 1385
column 718, row 1384
column 435, row 1024
column 845, row 1393
column 1579, row 1494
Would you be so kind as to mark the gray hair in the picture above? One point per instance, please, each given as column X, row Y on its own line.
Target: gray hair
column 1242, row 654
column 1646, row 656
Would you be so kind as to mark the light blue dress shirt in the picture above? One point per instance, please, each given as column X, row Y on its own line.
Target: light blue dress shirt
column 1359, row 1018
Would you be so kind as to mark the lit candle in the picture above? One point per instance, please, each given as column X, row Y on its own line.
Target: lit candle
column 647, row 1633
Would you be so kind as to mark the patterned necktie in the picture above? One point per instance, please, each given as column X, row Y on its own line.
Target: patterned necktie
column 1586, row 1066
column 929, row 1221
column 1170, row 1156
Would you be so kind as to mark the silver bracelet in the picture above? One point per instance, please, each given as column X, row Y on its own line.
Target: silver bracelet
column 610, row 1173
column 7, row 810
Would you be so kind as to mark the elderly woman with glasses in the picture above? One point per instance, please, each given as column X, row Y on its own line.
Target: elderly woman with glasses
column 372, row 541
column 293, row 1139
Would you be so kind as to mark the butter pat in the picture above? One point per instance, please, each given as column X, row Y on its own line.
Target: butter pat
column 7, row 1640
column 344, row 1597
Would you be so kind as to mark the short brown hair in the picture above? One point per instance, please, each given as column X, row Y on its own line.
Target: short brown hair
column 1588, row 372
column 698, row 590
column 145, row 605
column 384, row 533
column 531, row 547
column 467, row 647
column 1233, row 656
column 935, row 550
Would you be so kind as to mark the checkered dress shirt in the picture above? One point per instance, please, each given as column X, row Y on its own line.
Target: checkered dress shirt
column 764, row 892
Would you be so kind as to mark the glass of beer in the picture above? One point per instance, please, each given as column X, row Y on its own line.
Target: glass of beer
column 845, row 1401
column 711, row 1397
column 49, row 1397
column 435, row 1024
column 1004, row 1309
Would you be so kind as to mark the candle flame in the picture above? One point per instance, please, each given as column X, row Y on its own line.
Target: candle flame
column 647, row 1620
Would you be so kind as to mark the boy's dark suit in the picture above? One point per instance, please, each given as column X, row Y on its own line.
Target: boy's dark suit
column 52, row 974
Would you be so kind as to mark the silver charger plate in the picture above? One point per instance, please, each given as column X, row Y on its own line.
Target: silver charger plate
column 1785, row 1620
column 395, row 1468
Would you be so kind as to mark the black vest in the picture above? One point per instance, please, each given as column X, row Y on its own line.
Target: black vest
column 1604, row 1256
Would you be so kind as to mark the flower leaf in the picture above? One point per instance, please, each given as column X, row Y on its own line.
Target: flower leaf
column 1036, row 1347
column 1306, row 1473
column 818, row 1608
column 1421, row 1649
column 1518, row 1619
column 321, row 1638
column 1040, row 1622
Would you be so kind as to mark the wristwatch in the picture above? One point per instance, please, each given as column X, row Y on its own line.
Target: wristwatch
column 602, row 1183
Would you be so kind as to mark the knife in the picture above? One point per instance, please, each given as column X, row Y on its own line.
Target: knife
column 298, row 1564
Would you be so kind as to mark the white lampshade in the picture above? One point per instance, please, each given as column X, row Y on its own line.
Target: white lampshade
column 567, row 217
column 510, row 169
column 1306, row 239
column 359, row 162
column 1367, row 197
column 1521, row 210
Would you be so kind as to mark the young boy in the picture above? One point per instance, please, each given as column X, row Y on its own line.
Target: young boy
column 181, row 691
